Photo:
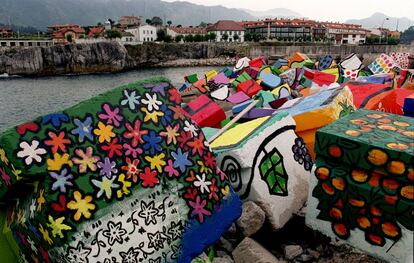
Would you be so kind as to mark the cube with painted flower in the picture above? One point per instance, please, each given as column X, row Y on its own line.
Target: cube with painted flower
column 362, row 187
column 124, row 176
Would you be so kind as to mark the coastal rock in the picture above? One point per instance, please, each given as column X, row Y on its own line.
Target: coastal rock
column 68, row 59
column 252, row 218
column 249, row 251
column 224, row 259
column 292, row 251
column 226, row 245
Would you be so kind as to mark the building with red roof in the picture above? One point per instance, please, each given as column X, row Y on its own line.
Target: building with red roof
column 95, row 32
column 56, row 27
column 227, row 31
column 184, row 31
column 306, row 30
column 67, row 35
column 6, row 32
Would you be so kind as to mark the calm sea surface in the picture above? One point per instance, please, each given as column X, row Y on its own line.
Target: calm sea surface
column 23, row 99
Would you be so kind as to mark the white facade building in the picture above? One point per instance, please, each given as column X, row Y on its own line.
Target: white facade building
column 346, row 33
column 229, row 28
column 145, row 33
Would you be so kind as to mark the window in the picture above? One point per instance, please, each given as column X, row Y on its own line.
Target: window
column 12, row 44
column 30, row 44
column 21, row 44
column 354, row 36
column 3, row 44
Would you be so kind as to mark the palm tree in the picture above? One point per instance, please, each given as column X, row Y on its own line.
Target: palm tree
column 169, row 23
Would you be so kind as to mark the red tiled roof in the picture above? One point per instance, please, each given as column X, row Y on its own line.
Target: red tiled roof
column 226, row 25
column 301, row 23
column 189, row 30
column 95, row 30
column 61, row 33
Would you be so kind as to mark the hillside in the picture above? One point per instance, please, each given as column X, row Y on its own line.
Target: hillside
column 377, row 19
column 41, row 13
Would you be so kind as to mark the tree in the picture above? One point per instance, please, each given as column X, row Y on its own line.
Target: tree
column 256, row 37
column 178, row 38
column 188, row 38
column 198, row 38
column 169, row 23
column 99, row 24
column 248, row 36
column 408, row 35
column 236, row 37
column 111, row 34
column 179, row 26
column 156, row 21
column 212, row 36
column 224, row 37
column 168, row 39
column 148, row 21
column 161, row 34
column 202, row 24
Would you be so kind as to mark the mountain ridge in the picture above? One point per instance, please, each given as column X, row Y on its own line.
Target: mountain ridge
column 378, row 19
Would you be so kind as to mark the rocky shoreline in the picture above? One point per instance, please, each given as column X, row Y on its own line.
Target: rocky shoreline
column 111, row 57
column 251, row 239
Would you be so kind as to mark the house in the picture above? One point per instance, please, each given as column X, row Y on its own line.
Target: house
column 144, row 33
column 57, row 27
column 185, row 31
column 67, row 35
column 6, row 32
column 96, row 32
column 283, row 29
column 222, row 28
column 341, row 33
column 127, row 21
column 127, row 38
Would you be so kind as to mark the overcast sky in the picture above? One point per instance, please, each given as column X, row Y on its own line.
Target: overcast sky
column 333, row 10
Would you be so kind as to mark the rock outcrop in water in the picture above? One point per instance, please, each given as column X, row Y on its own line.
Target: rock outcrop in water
column 69, row 59
column 104, row 57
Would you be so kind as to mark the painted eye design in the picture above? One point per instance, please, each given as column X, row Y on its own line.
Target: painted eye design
column 232, row 169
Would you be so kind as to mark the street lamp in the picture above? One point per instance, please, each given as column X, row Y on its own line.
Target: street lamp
column 382, row 26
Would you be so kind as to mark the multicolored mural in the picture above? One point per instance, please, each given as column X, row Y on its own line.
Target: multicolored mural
column 122, row 177
column 364, row 181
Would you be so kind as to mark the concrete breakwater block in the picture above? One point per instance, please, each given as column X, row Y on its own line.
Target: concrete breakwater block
column 265, row 162
column 318, row 110
column 124, row 176
column 362, row 187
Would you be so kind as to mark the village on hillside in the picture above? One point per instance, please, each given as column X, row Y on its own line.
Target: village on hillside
column 134, row 30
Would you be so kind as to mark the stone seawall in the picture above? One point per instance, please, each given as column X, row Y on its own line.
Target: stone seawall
column 114, row 57
column 367, row 52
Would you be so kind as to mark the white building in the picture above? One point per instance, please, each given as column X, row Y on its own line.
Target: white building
column 227, row 28
column 145, row 33
column 346, row 33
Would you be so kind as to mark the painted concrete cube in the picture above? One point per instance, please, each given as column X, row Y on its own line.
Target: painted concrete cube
column 362, row 187
column 318, row 110
column 268, row 163
column 122, row 177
